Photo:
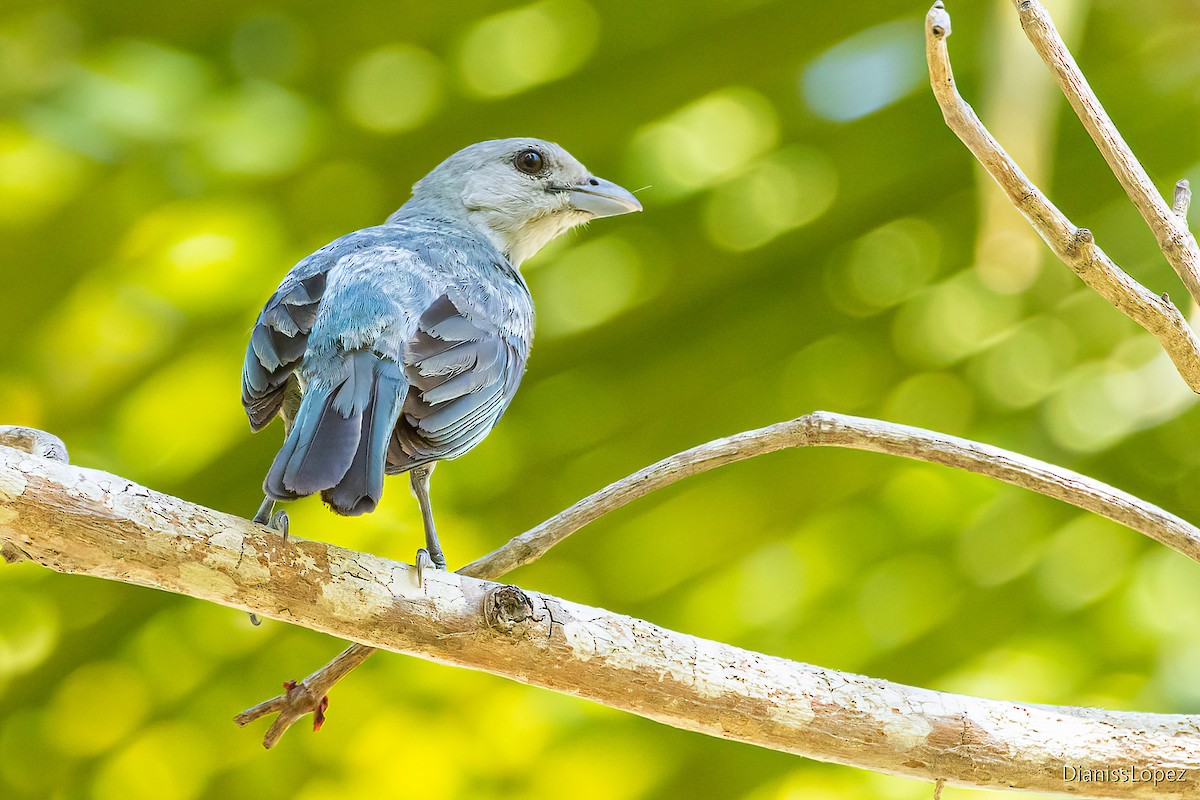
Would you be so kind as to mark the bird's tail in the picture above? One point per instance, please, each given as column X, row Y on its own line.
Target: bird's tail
column 339, row 440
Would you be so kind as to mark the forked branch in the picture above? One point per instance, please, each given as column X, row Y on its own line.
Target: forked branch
column 1074, row 246
column 1170, row 228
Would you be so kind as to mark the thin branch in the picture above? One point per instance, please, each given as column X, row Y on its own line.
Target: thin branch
column 1074, row 246
column 1170, row 229
column 309, row 696
column 89, row 522
column 533, row 544
column 826, row 429
column 815, row 430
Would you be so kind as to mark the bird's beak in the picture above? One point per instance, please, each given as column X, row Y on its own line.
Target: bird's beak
column 602, row 198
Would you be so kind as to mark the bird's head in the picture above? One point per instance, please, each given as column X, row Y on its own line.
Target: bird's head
column 521, row 193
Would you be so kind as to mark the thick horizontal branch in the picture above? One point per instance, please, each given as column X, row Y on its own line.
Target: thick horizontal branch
column 1174, row 237
column 1074, row 246
column 83, row 521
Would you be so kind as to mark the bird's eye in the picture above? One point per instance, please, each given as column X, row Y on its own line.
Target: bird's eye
column 529, row 161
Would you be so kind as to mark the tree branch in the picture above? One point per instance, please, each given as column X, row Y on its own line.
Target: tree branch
column 1170, row 229
column 85, row 521
column 826, row 429
column 1074, row 246
column 819, row 429
column 815, row 430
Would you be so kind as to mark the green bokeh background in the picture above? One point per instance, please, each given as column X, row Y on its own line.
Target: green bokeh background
column 814, row 237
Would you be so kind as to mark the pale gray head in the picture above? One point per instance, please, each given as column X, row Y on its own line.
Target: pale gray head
column 520, row 193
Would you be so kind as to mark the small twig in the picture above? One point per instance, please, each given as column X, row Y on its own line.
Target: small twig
column 309, row 696
column 1170, row 229
column 1183, row 199
column 1074, row 246
column 819, row 429
column 533, row 544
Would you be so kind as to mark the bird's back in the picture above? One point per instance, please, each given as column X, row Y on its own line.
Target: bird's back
column 404, row 343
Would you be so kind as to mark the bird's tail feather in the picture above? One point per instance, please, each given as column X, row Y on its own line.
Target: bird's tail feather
column 318, row 450
column 331, row 448
column 360, row 489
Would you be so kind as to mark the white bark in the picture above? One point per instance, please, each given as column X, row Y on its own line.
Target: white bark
column 84, row 521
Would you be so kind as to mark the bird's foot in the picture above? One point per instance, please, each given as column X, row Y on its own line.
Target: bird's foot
column 426, row 561
column 279, row 522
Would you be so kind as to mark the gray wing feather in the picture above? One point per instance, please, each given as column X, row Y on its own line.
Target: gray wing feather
column 462, row 372
column 464, row 355
column 279, row 339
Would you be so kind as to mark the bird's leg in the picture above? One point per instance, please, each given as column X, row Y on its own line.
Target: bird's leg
column 263, row 517
column 431, row 554
column 275, row 520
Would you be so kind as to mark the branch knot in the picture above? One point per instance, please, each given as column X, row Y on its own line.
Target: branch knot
column 1080, row 238
column 506, row 607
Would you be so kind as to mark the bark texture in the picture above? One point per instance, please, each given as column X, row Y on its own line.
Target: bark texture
column 89, row 522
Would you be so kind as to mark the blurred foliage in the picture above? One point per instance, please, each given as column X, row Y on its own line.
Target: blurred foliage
column 813, row 238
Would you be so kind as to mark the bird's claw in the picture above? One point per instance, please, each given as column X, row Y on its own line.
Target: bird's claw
column 425, row 561
column 279, row 522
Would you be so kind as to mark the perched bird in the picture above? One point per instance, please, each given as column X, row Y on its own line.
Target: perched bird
column 398, row 346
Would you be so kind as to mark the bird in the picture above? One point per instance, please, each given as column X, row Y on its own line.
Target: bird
column 400, row 345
